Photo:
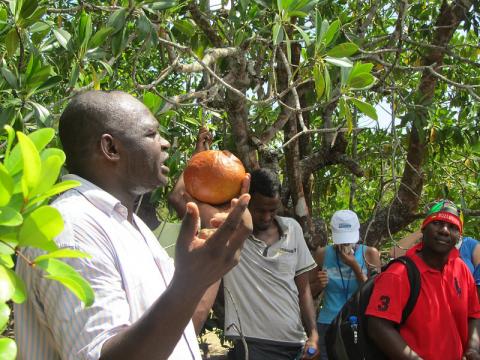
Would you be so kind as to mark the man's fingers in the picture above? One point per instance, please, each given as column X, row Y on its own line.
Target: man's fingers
column 245, row 184
column 229, row 227
column 189, row 225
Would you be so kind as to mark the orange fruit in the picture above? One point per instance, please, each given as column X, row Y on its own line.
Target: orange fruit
column 214, row 176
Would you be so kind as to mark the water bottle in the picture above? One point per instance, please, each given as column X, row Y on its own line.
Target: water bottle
column 310, row 351
column 353, row 320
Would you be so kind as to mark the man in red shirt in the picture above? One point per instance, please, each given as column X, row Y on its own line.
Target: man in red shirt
column 444, row 322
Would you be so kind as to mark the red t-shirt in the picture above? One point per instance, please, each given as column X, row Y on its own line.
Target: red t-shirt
column 437, row 328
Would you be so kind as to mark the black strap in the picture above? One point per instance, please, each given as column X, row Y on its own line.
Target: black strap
column 415, row 284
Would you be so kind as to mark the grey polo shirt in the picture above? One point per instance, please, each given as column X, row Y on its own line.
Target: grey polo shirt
column 261, row 297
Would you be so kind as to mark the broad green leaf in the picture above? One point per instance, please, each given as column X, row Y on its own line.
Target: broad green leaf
column 62, row 253
column 7, row 286
column 55, row 190
column 361, row 81
column 11, row 42
column 41, row 112
column 7, row 261
column 323, row 30
column 63, row 37
column 6, row 186
column 4, row 316
column 51, row 167
column 40, row 227
column 162, row 5
column 10, row 138
column 319, row 81
column 343, row 50
column 68, row 277
column 20, row 293
column 366, row 108
column 359, row 68
column 85, row 28
column 28, row 8
column 332, row 32
column 338, row 62
column 50, row 83
column 118, row 42
column 185, row 27
column 152, row 101
column 304, row 35
column 297, row 13
column 40, row 138
column 8, row 349
column 117, row 20
column 39, row 26
column 52, row 152
column 99, row 37
column 39, row 76
column 74, row 75
column 10, row 217
column 277, row 34
column 31, row 162
column 10, row 77
column 8, row 241
column 328, row 85
column 107, row 67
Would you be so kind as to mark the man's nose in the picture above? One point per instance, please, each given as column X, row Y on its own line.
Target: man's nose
column 164, row 144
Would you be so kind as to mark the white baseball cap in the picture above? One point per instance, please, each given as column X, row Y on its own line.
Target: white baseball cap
column 345, row 227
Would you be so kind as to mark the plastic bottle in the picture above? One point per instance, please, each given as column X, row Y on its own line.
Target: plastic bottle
column 310, row 351
column 353, row 320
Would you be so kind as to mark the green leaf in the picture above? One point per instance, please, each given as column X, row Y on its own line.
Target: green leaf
column 62, row 253
column 152, row 101
column 74, row 75
column 6, row 186
column 319, row 81
column 63, row 37
column 338, row 61
column 11, row 42
column 118, row 42
column 55, row 189
column 4, row 316
column 10, row 77
column 304, row 35
column 343, row 50
column 40, row 138
column 31, row 162
column 85, row 28
column 332, row 32
column 28, row 8
column 40, row 227
column 117, row 20
column 366, row 108
column 10, row 217
column 185, row 27
column 7, row 261
column 328, row 84
column 277, row 33
column 8, row 349
column 163, row 5
column 11, row 137
column 50, row 83
column 107, row 67
column 51, row 167
column 68, row 277
column 41, row 112
column 99, row 37
column 20, row 293
column 359, row 68
column 361, row 81
column 7, row 286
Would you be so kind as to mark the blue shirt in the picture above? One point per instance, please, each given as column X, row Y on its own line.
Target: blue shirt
column 342, row 282
column 466, row 253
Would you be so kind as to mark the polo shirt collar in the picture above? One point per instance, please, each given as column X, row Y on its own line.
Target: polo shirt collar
column 282, row 224
column 97, row 196
column 422, row 266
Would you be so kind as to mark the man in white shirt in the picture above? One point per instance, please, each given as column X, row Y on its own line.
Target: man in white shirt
column 143, row 304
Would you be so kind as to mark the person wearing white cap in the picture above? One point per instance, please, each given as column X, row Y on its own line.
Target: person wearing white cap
column 342, row 267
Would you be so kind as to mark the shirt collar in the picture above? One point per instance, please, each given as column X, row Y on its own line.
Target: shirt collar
column 282, row 225
column 97, row 196
column 422, row 266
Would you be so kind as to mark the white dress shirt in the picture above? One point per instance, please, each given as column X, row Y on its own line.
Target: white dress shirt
column 128, row 271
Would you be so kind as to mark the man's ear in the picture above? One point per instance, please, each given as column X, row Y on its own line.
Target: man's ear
column 109, row 147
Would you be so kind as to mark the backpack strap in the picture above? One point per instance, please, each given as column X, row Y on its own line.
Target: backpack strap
column 415, row 284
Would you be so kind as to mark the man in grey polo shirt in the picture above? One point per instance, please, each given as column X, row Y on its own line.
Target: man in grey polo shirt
column 267, row 295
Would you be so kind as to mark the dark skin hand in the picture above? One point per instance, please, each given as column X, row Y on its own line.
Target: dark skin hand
column 156, row 333
column 473, row 346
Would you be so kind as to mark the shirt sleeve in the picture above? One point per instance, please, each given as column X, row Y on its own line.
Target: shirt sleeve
column 79, row 332
column 473, row 301
column 305, row 261
column 390, row 294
